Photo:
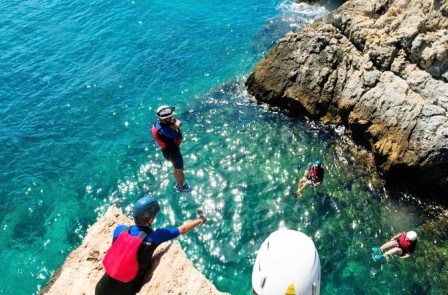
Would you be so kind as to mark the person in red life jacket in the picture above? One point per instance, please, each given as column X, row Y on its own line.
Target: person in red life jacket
column 313, row 177
column 402, row 244
column 145, row 211
column 167, row 134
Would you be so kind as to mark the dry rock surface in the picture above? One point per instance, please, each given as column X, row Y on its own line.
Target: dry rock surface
column 381, row 69
column 171, row 273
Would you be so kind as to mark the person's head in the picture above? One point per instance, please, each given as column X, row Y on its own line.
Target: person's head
column 411, row 235
column 145, row 210
column 318, row 163
column 165, row 113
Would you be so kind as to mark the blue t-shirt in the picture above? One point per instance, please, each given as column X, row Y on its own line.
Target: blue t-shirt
column 157, row 236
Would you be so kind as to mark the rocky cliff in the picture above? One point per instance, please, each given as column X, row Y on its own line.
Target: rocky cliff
column 379, row 68
column 171, row 273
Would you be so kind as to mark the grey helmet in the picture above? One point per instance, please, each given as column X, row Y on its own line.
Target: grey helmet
column 146, row 207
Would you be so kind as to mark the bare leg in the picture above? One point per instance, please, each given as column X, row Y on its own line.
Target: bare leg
column 303, row 187
column 303, row 183
column 395, row 250
column 179, row 175
column 388, row 245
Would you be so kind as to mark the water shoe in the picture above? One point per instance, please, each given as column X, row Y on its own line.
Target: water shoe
column 185, row 189
column 378, row 257
column 376, row 250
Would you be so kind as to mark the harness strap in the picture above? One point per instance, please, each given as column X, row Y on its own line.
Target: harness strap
column 142, row 235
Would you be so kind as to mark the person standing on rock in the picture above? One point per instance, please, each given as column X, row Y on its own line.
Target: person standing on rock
column 166, row 132
column 313, row 177
column 145, row 211
column 402, row 244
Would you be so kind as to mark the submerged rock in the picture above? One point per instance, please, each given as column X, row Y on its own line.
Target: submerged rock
column 171, row 272
column 380, row 69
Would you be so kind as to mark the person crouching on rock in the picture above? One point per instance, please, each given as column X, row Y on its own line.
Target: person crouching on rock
column 124, row 274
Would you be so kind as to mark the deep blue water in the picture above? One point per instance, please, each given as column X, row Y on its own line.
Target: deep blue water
column 79, row 85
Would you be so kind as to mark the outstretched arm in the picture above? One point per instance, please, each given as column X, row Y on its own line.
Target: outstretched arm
column 405, row 256
column 189, row 225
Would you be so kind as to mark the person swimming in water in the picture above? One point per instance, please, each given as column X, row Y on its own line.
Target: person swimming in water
column 402, row 244
column 313, row 177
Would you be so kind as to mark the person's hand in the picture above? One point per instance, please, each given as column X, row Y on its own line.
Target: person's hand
column 176, row 122
column 405, row 256
column 201, row 216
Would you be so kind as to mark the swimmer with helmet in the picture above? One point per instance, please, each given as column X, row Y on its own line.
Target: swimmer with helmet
column 312, row 177
column 402, row 244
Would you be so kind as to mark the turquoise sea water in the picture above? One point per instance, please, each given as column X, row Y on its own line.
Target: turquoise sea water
column 79, row 84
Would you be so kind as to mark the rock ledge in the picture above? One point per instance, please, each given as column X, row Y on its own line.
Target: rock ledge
column 171, row 273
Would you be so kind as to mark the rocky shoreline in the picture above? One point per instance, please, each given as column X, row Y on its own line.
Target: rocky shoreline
column 171, row 272
column 380, row 68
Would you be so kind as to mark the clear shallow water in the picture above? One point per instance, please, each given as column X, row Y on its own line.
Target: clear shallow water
column 80, row 83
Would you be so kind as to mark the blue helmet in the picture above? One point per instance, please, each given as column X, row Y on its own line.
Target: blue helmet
column 146, row 207
column 318, row 163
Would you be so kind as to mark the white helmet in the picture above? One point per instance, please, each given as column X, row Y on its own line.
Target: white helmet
column 287, row 263
column 411, row 235
column 165, row 111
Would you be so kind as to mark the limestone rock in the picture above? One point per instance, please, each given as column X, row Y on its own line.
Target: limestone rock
column 171, row 273
column 381, row 69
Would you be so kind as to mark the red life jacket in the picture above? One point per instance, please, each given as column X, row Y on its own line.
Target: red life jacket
column 155, row 134
column 162, row 144
column 313, row 172
column 120, row 261
column 404, row 244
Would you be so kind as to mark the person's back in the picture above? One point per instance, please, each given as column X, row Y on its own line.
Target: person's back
column 317, row 173
column 407, row 245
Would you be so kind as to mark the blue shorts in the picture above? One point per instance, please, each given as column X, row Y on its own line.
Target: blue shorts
column 174, row 157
